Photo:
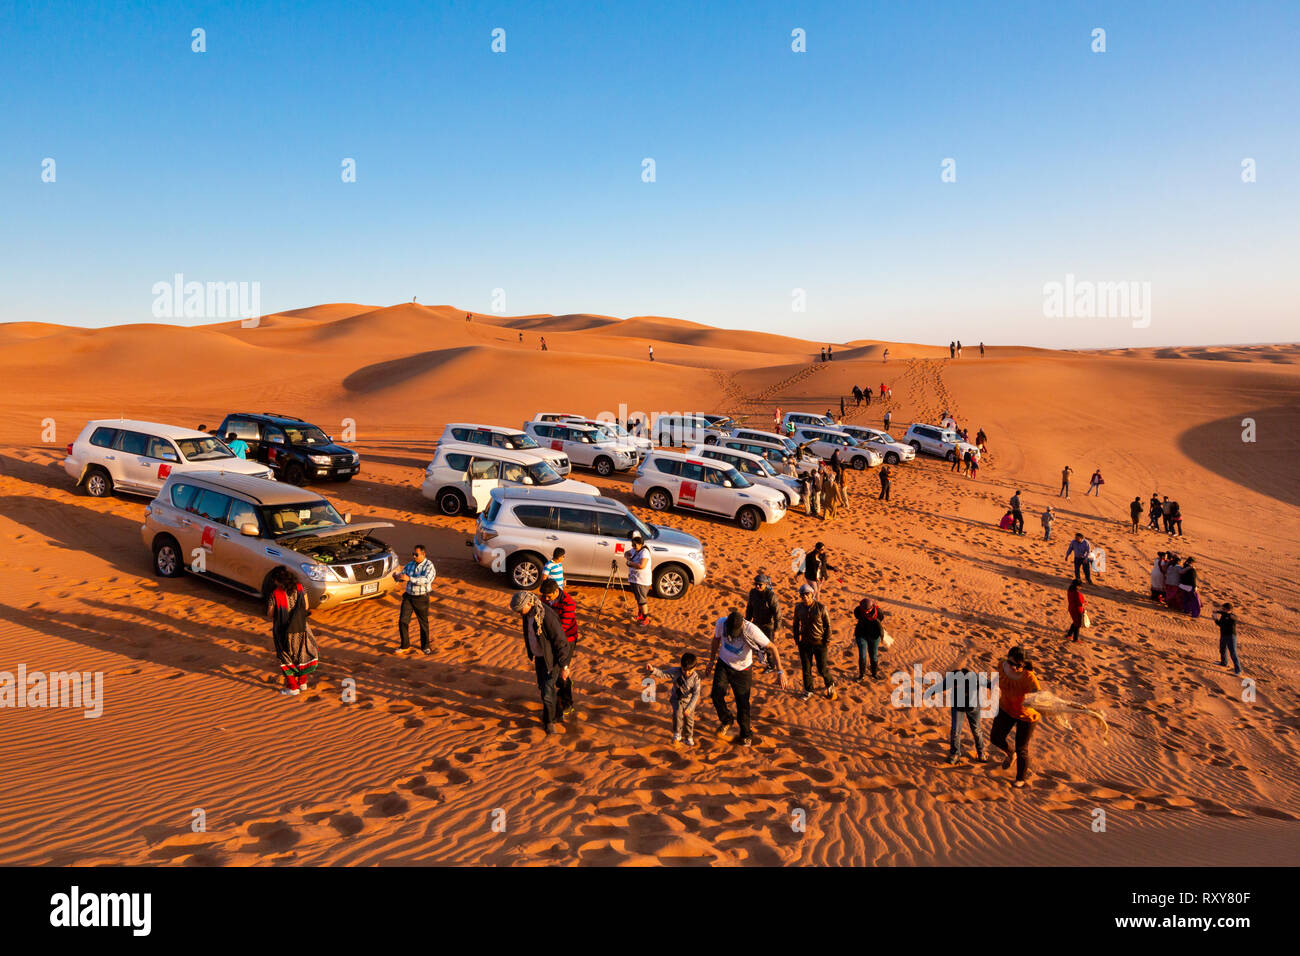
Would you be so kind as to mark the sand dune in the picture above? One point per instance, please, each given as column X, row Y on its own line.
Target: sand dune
column 413, row 771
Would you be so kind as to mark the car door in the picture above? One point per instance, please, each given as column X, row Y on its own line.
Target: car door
column 613, row 529
column 242, row 556
column 690, row 484
column 713, row 495
column 207, row 512
column 484, row 474
column 251, row 433
column 137, row 471
column 276, row 444
column 576, row 533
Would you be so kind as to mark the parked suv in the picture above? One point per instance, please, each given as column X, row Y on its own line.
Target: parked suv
column 933, row 440
column 781, row 458
column 511, row 439
column 642, row 446
column 138, row 456
column 585, row 446
column 824, row 442
column 669, row 479
column 521, row 527
column 236, row 530
column 882, row 443
column 690, row 430
column 463, row 475
column 754, row 467
column 296, row 450
column 806, row 419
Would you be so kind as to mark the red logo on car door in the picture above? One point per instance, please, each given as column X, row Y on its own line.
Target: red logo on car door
column 557, row 445
column 164, row 471
column 620, row 548
column 209, row 537
column 688, row 493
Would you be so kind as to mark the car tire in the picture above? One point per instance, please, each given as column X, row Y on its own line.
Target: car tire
column 671, row 582
column 749, row 518
column 168, row 560
column 450, row 502
column 604, row 466
column 859, row 463
column 98, row 483
column 658, row 499
column 525, row 571
column 916, row 445
column 951, row 456
column 891, row 458
column 294, row 474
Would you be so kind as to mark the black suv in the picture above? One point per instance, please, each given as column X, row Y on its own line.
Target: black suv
column 297, row 451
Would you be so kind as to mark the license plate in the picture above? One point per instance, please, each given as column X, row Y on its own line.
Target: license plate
column 371, row 588
column 346, row 471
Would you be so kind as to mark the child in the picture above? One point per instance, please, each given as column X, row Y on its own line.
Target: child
column 554, row 569
column 685, row 696
column 974, row 467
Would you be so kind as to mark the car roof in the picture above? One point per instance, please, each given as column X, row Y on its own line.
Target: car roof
column 677, row 456
column 759, row 431
column 518, row 455
column 545, row 496
column 504, row 429
column 567, row 423
column 270, row 417
column 704, row 449
column 263, row 491
column 156, row 429
column 753, row 441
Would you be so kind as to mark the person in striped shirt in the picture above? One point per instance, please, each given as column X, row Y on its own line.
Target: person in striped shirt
column 566, row 610
column 554, row 568
column 417, row 574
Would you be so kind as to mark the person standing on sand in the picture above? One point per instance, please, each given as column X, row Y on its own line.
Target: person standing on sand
column 651, row 352
column 815, row 566
column 810, row 627
column 1153, row 516
column 830, row 353
column 841, row 406
column 521, row 336
column 1135, row 513
column 1047, row 518
column 685, row 695
column 959, row 348
column 966, row 460
column 884, row 356
column 295, row 645
column 866, row 395
column 566, row 610
column 1081, row 550
column 868, row 630
column 1016, row 678
column 1175, row 519
column 548, row 651
column 417, row 574
column 553, row 570
column 1191, row 598
column 1173, row 577
column 1227, row 622
column 543, row 344
column 1017, row 516
column 639, row 576
column 952, row 350
column 822, row 355
column 1158, row 579
column 731, row 659
column 963, row 685
column 981, row 350
column 888, row 415
column 1075, row 602
column 1094, row 484
column 830, row 493
column 885, row 476
column 1066, row 472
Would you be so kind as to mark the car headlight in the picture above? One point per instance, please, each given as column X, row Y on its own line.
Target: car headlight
column 355, row 458
column 319, row 459
column 316, row 572
column 697, row 556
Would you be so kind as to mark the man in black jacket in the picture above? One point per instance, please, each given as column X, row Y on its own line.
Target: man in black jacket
column 815, row 565
column 811, row 629
column 762, row 608
column 547, row 648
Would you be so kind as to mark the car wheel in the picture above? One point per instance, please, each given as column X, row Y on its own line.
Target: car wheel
column 749, row 518
column 167, row 560
column 859, row 463
column 891, row 458
column 951, row 456
column 451, row 502
column 99, row 484
column 916, row 445
column 604, row 466
column 294, row 474
column 671, row 582
column 658, row 499
column 525, row 571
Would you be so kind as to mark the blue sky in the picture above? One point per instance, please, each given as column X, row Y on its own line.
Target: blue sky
column 775, row 170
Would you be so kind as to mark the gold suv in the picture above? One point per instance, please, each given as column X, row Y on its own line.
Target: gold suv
column 236, row 529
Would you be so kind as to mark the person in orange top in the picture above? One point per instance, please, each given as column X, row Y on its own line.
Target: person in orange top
column 1016, row 678
column 1075, row 602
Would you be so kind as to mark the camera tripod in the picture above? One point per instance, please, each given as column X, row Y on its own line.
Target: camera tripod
column 612, row 581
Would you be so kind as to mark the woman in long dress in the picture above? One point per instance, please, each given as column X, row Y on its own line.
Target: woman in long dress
column 295, row 645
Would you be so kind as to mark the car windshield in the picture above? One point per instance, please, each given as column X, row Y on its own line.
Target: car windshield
column 648, row 531
column 951, row 436
column 885, row 436
column 543, row 474
column 765, row 467
column 306, row 435
column 518, row 441
column 307, row 516
column 736, row 478
column 203, row 449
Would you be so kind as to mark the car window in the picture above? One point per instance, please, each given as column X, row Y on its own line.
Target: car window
column 204, row 449
column 693, row 471
column 577, row 520
column 161, row 449
column 546, row 431
column 306, row 435
column 307, row 516
column 512, row 471
column 241, row 513
column 521, row 441
column 133, row 443
column 484, row 469
column 103, row 437
column 210, row 504
column 459, row 433
column 242, row 427
column 669, row 466
column 457, row 462
column 490, row 512
column 183, row 496
column 536, row 516
column 274, row 435
column 616, row 525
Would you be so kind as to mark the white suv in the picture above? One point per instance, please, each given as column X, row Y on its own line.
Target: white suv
column 824, row 442
column 933, row 440
column 511, row 439
column 882, row 443
column 584, row 445
column 521, row 527
column 139, row 456
column 804, row 419
column 463, row 474
column 642, row 446
column 754, row 467
column 781, row 458
column 689, row 430
column 667, row 479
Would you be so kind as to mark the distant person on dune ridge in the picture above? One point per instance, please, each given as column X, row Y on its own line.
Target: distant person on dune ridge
column 884, row 356
column 1016, row 678
column 959, row 348
column 830, row 353
column 543, row 343
column 952, row 350
column 822, row 355
column 981, row 350
column 651, row 352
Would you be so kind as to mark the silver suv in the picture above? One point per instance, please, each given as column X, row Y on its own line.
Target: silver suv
column 521, row 527
column 236, row 530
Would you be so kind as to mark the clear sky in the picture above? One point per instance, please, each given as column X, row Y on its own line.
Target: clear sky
column 774, row 170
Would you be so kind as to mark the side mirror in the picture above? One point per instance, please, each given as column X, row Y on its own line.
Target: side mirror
column 726, row 482
column 249, row 529
column 169, row 456
column 528, row 480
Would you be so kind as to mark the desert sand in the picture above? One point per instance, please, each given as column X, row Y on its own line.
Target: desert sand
column 412, row 772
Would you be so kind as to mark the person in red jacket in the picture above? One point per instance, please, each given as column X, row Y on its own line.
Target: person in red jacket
column 1075, row 602
column 1016, row 678
column 567, row 611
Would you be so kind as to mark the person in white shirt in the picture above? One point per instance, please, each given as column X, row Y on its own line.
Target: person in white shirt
column 734, row 643
column 639, row 576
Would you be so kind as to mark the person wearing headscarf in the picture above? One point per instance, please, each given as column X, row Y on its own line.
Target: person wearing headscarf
column 295, row 645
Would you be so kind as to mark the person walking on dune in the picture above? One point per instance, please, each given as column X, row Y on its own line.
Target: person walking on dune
column 884, row 356
column 815, row 565
column 1016, row 678
column 952, row 350
column 1066, row 472
column 1018, row 516
column 868, row 631
column 1047, row 518
column 1081, row 550
column 885, row 477
column 1075, row 602
column 1191, row 598
column 1094, row 484
column 548, row 651
column 543, row 343
column 1135, row 513
column 857, row 396
column 685, row 695
column 566, row 610
column 295, row 645
column 1154, row 514
column 810, row 627
column 762, row 609
column 731, row 659
column 866, row 395
column 1227, row 622
column 888, row 415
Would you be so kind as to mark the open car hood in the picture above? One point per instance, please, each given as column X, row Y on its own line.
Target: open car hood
column 335, row 531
